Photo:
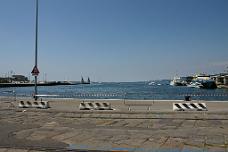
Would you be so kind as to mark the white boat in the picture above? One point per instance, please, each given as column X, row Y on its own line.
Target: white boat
column 205, row 81
column 151, row 83
column 195, row 85
column 178, row 81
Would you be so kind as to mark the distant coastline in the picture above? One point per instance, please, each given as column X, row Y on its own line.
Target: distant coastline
column 22, row 81
column 52, row 83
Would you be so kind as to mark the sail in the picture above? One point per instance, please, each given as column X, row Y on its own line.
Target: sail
column 88, row 80
column 82, row 80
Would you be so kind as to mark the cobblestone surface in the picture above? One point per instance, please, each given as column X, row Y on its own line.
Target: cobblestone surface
column 40, row 130
column 67, row 128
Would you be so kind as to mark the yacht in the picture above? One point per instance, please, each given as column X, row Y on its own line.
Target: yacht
column 151, row 83
column 205, row 81
column 178, row 81
column 195, row 85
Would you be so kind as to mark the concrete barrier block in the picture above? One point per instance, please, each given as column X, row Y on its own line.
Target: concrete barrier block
column 95, row 106
column 189, row 107
column 34, row 104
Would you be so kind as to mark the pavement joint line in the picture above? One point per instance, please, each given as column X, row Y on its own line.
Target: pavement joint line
column 205, row 142
column 192, row 145
column 115, row 112
column 216, row 145
column 195, row 124
column 163, row 143
column 155, row 118
column 121, row 117
column 180, row 124
column 120, row 112
column 225, row 143
column 29, row 148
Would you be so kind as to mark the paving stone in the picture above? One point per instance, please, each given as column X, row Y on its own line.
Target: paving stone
column 24, row 133
column 169, row 128
column 188, row 123
column 17, row 150
column 157, row 124
column 113, row 122
column 96, row 143
column 36, row 136
column 150, row 144
column 65, row 135
column 195, row 141
column 145, row 124
column 135, row 142
column 119, row 123
column 131, row 123
column 100, row 122
column 61, row 129
column 173, row 143
column 137, row 123
column 50, row 124
column 42, row 134
column 3, row 149
column 79, row 138
column 202, row 123
column 215, row 149
column 115, row 115
column 226, row 140
column 214, row 123
column 180, row 132
column 176, row 123
column 118, row 139
column 108, row 122
column 225, row 123
column 215, row 140
column 170, row 149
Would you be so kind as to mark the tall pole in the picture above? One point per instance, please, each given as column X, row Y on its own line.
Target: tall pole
column 36, row 43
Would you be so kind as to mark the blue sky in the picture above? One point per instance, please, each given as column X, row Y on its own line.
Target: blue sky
column 115, row 40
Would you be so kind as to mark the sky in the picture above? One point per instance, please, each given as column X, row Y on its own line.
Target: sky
column 114, row 40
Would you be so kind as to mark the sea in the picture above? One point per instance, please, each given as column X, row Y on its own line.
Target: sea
column 143, row 90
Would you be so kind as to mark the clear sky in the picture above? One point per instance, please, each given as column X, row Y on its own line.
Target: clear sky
column 115, row 40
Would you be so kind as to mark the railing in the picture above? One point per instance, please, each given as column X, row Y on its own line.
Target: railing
column 12, row 95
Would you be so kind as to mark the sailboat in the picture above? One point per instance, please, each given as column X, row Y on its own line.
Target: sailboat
column 82, row 81
column 85, row 82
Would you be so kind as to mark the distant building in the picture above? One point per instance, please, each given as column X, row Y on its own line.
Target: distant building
column 19, row 78
column 4, row 80
column 14, row 79
column 221, row 79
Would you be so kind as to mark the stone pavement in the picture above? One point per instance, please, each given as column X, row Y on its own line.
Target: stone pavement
column 27, row 130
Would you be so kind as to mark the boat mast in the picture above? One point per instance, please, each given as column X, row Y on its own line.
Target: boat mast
column 36, row 43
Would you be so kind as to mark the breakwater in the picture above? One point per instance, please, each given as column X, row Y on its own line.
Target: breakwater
column 54, row 83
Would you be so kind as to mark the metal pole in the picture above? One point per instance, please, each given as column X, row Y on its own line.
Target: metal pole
column 36, row 42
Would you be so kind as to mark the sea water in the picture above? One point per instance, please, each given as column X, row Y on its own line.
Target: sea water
column 145, row 90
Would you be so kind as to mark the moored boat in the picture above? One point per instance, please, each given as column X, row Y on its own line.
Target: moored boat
column 195, row 85
column 178, row 81
column 205, row 81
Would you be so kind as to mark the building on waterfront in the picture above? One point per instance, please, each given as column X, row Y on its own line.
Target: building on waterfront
column 221, row 79
column 4, row 80
column 19, row 78
column 14, row 79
